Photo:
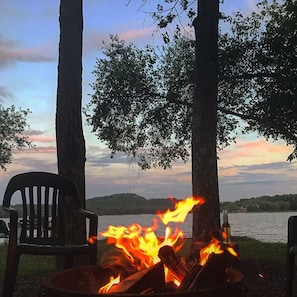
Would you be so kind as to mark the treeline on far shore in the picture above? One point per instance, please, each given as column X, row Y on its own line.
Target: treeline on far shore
column 129, row 203
column 286, row 202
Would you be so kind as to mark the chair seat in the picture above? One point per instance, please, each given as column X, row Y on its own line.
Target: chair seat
column 46, row 249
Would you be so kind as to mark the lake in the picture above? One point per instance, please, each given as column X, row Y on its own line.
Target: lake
column 266, row 227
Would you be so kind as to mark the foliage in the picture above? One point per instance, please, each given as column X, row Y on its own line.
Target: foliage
column 262, row 70
column 142, row 101
column 286, row 202
column 12, row 127
column 134, row 107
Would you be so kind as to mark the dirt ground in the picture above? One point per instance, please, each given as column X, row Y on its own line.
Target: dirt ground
column 262, row 278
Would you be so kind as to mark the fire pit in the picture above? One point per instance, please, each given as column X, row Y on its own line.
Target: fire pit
column 85, row 281
column 148, row 264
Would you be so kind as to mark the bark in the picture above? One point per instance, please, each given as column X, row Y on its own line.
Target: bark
column 69, row 132
column 206, row 218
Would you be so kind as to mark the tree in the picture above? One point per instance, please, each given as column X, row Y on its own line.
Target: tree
column 263, row 48
column 12, row 128
column 70, row 139
column 206, row 217
column 143, row 99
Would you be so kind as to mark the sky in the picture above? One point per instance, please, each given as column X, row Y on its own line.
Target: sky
column 29, row 38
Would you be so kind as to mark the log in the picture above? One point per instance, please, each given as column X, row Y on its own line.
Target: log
column 152, row 278
column 189, row 278
column 173, row 262
column 212, row 274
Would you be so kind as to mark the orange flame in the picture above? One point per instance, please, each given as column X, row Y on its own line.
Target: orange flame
column 232, row 251
column 141, row 245
column 92, row 239
column 181, row 210
column 112, row 281
column 213, row 247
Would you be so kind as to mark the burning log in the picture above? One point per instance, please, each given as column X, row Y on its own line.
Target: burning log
column 151, row 278
column 188, row 281
column 173, row 262
column 212, row 274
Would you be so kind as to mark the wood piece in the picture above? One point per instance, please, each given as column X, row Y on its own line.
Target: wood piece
column 189, row 278
column 212, row 274
column 147, row 279
column 173, row 262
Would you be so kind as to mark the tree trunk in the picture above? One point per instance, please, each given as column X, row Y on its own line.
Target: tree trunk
column 69, row 132
column 206, row 218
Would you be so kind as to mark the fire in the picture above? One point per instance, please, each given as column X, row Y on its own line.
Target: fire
column 182, row 208
column 213, row 247
column 141, row 246
column 112, row 281
column 232, row 251
column 92, row 239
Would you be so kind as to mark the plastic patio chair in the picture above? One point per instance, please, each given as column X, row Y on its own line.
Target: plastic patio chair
column 45, row 198
column 291, row 253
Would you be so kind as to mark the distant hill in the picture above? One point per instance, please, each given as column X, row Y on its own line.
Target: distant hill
column 127, row 203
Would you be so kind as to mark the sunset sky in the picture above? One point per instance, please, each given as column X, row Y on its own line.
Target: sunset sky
column 29, row 38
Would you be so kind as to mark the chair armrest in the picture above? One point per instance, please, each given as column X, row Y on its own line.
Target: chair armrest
column 93, row 217
column 293, row 250
column 13, row 224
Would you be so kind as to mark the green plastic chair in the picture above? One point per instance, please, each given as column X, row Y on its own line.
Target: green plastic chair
column 45, row 199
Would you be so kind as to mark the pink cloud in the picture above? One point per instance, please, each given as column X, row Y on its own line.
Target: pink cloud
column 252, row 152
column 36, row 150
column 263, row 146
column 9, row 53
column 40, row 138
column 133, row 35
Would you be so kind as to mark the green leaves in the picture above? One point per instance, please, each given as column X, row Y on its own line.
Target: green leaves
column 12, row 125
column 134, row 107
column 142, row 100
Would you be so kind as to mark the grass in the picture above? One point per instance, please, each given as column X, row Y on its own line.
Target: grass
column 248, row 248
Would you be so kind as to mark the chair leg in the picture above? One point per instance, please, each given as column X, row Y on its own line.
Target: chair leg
column 12, row 264
column 290, row 274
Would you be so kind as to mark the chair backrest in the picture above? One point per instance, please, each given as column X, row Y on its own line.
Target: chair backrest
column 43, row 196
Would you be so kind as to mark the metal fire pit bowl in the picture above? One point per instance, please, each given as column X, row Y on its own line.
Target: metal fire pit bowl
column 85, row 281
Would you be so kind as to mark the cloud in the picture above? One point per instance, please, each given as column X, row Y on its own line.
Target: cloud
column 42, row 138
column 5, row 94
column 134, row 35
column 93, row 41
column 94, row 38
column 10, row 53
